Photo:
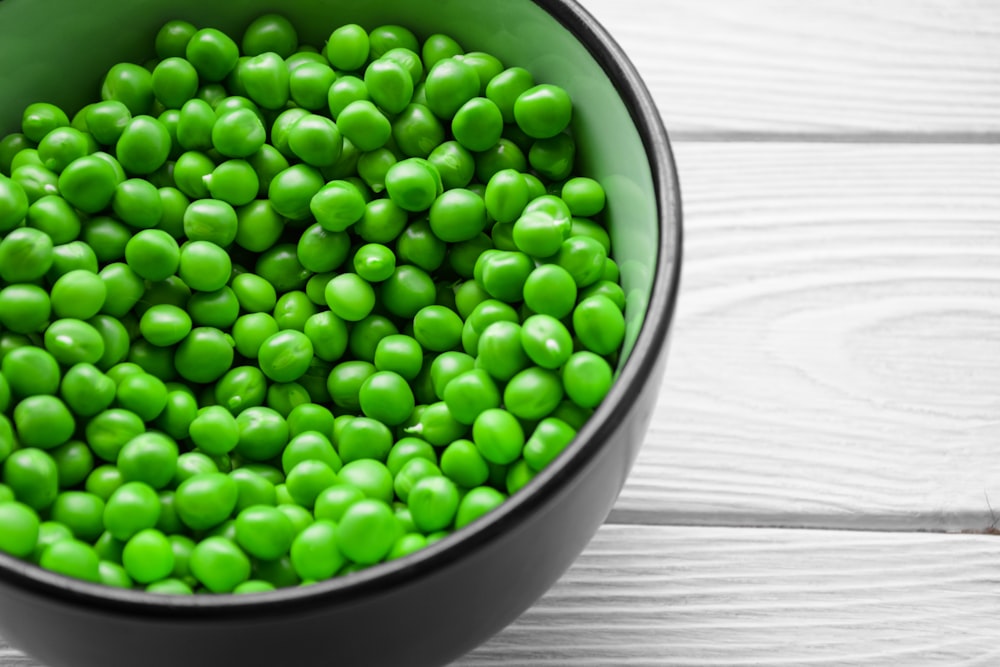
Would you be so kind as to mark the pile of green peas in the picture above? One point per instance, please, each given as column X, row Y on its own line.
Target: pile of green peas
column 272, row 313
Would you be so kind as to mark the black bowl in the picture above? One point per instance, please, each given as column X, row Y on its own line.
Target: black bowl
column 433, row 606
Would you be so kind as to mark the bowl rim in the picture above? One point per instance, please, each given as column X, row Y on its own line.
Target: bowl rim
column 638, row 370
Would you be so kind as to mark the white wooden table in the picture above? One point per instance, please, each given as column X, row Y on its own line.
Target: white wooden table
column 817, row 484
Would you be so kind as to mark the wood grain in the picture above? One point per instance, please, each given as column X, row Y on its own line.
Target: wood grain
column 702, row 596
column 830, row 69
column 650, row 595
column 835, row 359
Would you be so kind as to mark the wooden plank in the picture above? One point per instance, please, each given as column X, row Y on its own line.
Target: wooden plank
column 835, row 359
column 650, row 595
column 827, row 68
column 702, row 596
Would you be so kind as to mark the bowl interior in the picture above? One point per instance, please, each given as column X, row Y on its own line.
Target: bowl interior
column 55, row 52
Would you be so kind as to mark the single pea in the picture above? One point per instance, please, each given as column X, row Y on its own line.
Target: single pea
column 315, row 140
column 241, row 388
column 291, row 191
column 24, row 309
column 206, row 500
column 172, row 38
column 347, row 48
column 214, row 431
column 103, row 481
column 463, row 256
column 143, row 146
column 337, row 205
column 370, row 476
column 417, row 131
column 30, row 371
column 470, row 394
column 293, row 310
column 131, row 508
column 178, row 414
column 418, row 245
column 143, row 394
column 195, row 124
column 250, row 331
column 113, row 574
column 54, row 216
column 433, row 503
column 255, row 295
column 20, row 529
column 81, row 512
column 8, row 441
column 412, row 472
column 450, row 83
column 334, row 500
column 462, row 463
column 506, row 195
column 413, row 184
column 553, row 158
column 382, row 222
column 364, row 125
column 321, row 250
column 217, row 309
column 503, row 274
column 238, row 133
column 280, row 266
column 204, row 266
column 477, row 503
column 13, row 204
column 86, row 390
column 170, row 586
column 259, row 226
column 266, row 79
column 504, row 89
column 478, row 124
column 25, row 255
column 192, row 172
column 386, row 397
column 74, row 462
column 437, row 328
column 533, row 393
column 108, row 431
column 399, row 353
column 350, row 297
column 63, row 145
column 234, row 182
column 374, row 262
column 599, row 324
column 263, row 433
column 498, row 436
column 309, row 85
column 438, row 47
column 153, row 254
column 148, row 556
column 372, row 168
column 73, row 341
column 551, row 290
column 270, row 32
column 407, row 290
column 435, row 424
column 505, row 154
column 584, row 258
column 307, row 479
column 190, row 464
column 254, row 488
column 78, row 294
column 213, row 54
column 264, row 532
column 345, row 380
column 219, row 564
column 116, row 340
column 174, row 81
column 12, row 145
column 447, row 366
column 72, row 558
column 285, row 356
column 550, row 437
column 366, row 334
column 546, row 341
column 204, row 355
column 43, row 421
column 49, row 532
column 389, row 84
column 587, row 378
column 457, row 215
column 315, row 553
column 40, row 118
column 72, row 256
column 367, row 531
column 543, row 111
column 328, row 334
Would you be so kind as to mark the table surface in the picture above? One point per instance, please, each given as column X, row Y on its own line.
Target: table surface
column 819, row 479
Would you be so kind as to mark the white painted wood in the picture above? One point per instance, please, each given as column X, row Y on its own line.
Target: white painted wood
column 824, row 67
column 835, row 359
column 653, row 596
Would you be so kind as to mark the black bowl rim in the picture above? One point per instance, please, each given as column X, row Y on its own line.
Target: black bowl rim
column 637, row 371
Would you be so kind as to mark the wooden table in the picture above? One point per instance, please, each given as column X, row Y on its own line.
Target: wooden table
column 817, row 483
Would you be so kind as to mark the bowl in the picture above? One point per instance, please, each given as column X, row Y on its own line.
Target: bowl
column 434, row 605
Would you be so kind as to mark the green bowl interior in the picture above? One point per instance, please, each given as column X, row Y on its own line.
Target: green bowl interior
column 57, row 51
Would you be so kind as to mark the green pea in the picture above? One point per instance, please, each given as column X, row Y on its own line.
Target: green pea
column 463, row 256
column 470, row 394
column 400, row 354
column 408, row 59
column 72, row 558
column 241, row 388
column 270, row 32
column 214, row 430
column 382, row 222
column 204, row 266
column 503, row 274
column 33, row 476
column 309, row 85
column 143, row 394
column 477, row 503
column 55, row 217
column 546, row 341
column 172, row 38
column 458, row 215
column 11, row 146
column 347, row 48
column 328, row 334
column 413, row 184
column 73, row 341
column 204, row 355
column 264, row 532
column 462, row 463
column 148, row 556
column 79, row 294
column 74, row 462
column 554, row 157
column 263, row 433
column 506, row 195
column 213, row 54
column 20, row 534
column 366, row 334
column 504, row 89
column 192, row 172
column 367, row 531
column 307, row 479
column 210, row 220
column 144, row 145
column 103, row 481
column 175, row 81
column 291, row 192
column 315, row 552
column 293, row 310
column 447, row 366
column 417, row 131
column 315, row 140
column 438, row 47
column 190, row 464
column 217, row 309
column 548, row 440
column 435, row 424
column 599, row 324
column 108, row 431
column 433, row 503
column 418, row 245
column 584, row 258
column 258, row 226
column 374, row 262
column 533, row 393
column 43, row 421
column 131, row 508
column 255, row 295
column 250, row 331
column 116, row 340
column 13, row 204
column 337, row 205
column 107, row 120
column 219, row 564
column 454, row 163
column 587, row 379
column 40, row 118
column 364, row 125
column 285, row 356
column 386, row 397
column 503, row 155
column 450, row 83
column 407, row 290
column 63, row 145
column 389, row 84
column 498, row 436
column 72, row 256
column 178, row 414
column 238, row 134
column 372, row 168
column 543, row 111
column 321, row 250
column 24, row 309
column 478, row 124
column 350, row 297
column 310, row 446
column 206, row 500
column 137, row 203
column 234, row 182
column 30, row 371
column 254, row 488
column 551, row 290
column 195, row 124
column 153, row 254
column 266, row 79
column 25, row 255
